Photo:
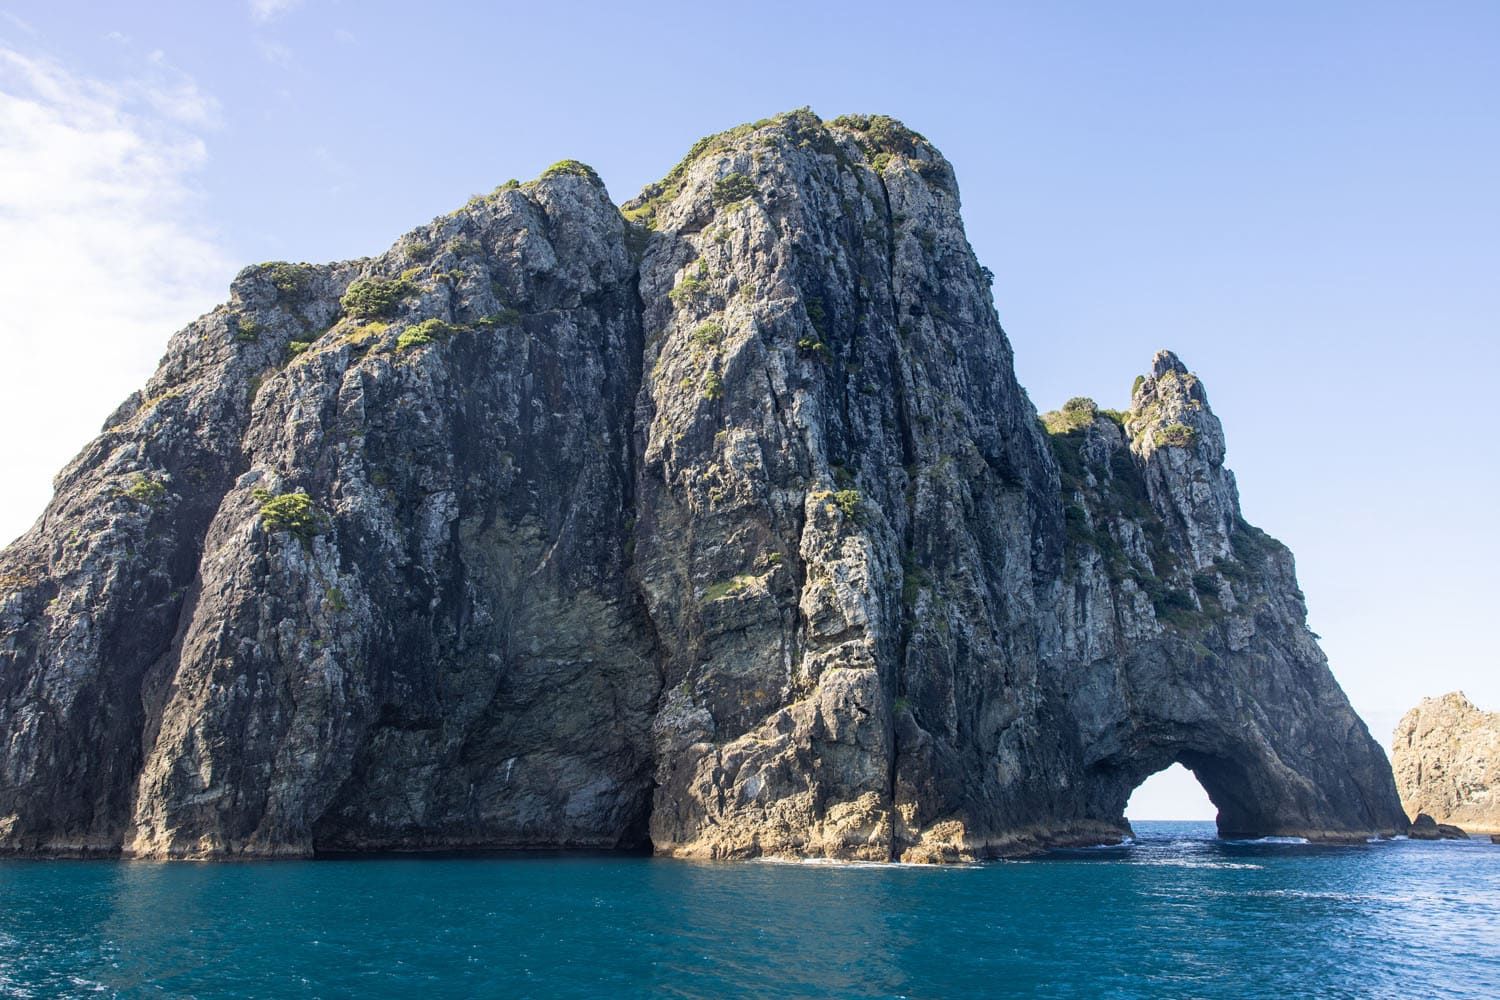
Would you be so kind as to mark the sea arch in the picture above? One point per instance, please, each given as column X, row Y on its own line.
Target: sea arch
column 1255, row 792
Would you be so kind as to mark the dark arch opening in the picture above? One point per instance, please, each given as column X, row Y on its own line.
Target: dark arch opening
column 1248, row 798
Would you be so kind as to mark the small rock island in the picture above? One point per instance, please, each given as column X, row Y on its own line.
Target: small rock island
column 1446, row 754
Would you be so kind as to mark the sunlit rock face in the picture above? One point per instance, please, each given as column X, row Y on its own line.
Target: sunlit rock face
column 716, row 524
column 1446, row 753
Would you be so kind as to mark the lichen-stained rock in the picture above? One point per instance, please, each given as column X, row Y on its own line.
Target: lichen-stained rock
column 834, row 435
column 1182, row 633
column 1446, row 754
column 381, row 598
column 718, row 521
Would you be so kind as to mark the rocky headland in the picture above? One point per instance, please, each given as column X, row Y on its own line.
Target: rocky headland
column 716, row 524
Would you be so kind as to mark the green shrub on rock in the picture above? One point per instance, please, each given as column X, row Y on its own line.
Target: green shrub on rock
column 813, row 346
column 146, row 490
column 574, row 167
column 372, row 298
column 707, row 334
column 691, row 289
column 732, row 188
column 849, row 502
column 713, row 387
column 292, row 281
column 246, row 330
column 1081, row 404
column 1174, row 436
column 426, row 332
column 293, row 512
column 1076, row 414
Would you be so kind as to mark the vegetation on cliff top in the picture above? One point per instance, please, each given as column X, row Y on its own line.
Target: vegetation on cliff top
column 879, row 136
column 575, row 167
column 291, row 281
column 643, row 207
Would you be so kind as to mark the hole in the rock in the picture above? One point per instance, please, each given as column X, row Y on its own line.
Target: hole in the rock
column 1170, row 794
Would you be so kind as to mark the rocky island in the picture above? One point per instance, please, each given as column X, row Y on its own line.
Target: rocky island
column 1446, row 754
column 715, row 524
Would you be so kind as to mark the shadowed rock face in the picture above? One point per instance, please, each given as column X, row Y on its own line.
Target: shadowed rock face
column 722, row 523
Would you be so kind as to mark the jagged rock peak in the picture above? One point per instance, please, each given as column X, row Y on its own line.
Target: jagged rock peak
column 1169, row 408
column 1164, row 361
column 718, row 522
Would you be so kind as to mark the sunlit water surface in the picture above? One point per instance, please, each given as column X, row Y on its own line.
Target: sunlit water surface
column 1175, row 914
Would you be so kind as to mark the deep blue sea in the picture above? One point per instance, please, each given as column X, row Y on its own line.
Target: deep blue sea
column 1176, row 914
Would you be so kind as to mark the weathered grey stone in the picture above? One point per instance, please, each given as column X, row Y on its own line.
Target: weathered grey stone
column 723, row 524
column 1446, row 754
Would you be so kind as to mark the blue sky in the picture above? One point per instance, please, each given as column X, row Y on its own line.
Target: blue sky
column 1300, row 199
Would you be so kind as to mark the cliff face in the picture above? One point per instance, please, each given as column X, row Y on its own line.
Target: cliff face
column 1446, row 754
column 720, row 523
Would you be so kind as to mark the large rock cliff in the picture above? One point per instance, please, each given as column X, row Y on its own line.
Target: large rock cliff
column 717, row 523
column 1446, row 754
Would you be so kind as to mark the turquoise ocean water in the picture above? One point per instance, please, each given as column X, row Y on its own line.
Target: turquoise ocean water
column 1177, row 914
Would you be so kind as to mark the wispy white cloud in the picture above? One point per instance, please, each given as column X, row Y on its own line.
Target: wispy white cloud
column 102, row 254
column 274, row 52
column 266, row 10
column 18, row 23
column 174, row 95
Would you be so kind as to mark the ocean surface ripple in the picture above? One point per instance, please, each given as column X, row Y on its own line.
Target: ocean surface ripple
column 1176, row 913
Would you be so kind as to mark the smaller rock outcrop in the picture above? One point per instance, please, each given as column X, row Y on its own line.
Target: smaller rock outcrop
column 1424, row 827
column 1446, row 754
